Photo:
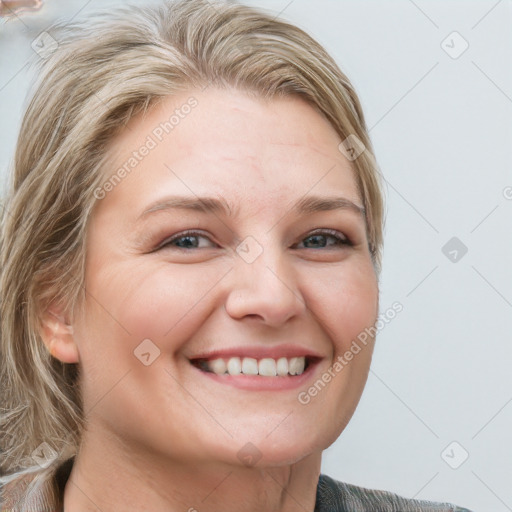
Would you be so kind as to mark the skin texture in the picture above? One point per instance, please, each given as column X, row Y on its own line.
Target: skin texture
column 166, row 436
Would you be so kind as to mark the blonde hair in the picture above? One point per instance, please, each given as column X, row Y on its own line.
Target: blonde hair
column 104, row 71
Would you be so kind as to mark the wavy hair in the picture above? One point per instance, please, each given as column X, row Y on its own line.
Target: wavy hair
column 104, row 70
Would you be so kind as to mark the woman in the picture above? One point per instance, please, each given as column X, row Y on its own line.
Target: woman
column 190, row 253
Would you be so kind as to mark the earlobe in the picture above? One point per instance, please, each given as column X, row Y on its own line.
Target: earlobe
column 64, row 351
column 57, row 335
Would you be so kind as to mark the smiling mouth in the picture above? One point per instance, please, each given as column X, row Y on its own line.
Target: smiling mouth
column 264, row 367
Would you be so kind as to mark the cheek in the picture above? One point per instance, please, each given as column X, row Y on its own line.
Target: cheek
column 168, row 305
column 345, row 300
column 163, row 305
column 162, row 302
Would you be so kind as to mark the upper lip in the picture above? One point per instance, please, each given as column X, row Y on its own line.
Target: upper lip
column 258, row 352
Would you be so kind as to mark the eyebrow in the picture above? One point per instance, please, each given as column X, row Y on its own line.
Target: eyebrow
column 309, row 204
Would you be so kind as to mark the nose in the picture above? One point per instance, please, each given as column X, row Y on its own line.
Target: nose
column 265, row 289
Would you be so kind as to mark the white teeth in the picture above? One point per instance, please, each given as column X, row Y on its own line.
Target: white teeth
column 266, row 367
column 282, row 366
column 249, row 366
column 234, row 366
column 218, row 366
column 296, row 365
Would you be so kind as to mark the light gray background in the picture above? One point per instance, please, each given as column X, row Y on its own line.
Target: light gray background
column 442, row 129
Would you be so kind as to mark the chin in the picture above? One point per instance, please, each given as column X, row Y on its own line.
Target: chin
column 283, row 448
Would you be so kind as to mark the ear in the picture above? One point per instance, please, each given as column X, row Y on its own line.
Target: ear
column 57, row 335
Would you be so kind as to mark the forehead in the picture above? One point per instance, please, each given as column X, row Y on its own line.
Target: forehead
column 228, row 143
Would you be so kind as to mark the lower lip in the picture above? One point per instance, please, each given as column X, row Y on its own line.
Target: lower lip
column 261, row 383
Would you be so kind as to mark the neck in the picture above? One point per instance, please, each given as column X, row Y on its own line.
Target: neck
column 123, row 479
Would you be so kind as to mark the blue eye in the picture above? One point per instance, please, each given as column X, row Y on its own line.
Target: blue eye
column 319, row 240
column 189, row 239
column 322, row 236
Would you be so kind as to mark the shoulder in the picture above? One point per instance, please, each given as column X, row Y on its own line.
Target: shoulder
column 334, row 496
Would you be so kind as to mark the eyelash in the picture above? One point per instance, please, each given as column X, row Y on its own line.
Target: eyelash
column 340, row 238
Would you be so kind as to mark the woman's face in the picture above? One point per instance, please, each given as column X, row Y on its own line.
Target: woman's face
column 178, row 293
